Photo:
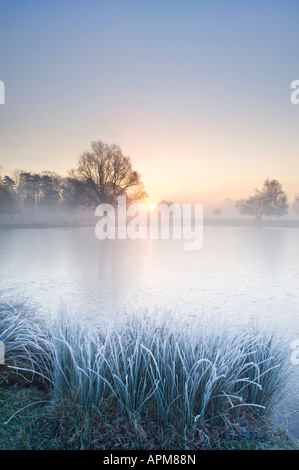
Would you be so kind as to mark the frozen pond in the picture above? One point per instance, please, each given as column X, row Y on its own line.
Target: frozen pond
column 242, row 272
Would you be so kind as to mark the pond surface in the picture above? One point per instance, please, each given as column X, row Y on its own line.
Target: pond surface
column 239, row 271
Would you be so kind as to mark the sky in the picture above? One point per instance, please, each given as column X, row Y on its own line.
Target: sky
column 197, row 93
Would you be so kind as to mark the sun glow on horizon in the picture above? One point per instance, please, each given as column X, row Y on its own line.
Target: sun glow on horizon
column 149, row 205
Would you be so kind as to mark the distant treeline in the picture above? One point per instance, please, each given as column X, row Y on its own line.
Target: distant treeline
column 102, row 175
column 34, row 190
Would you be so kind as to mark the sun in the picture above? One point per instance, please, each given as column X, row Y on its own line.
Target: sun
column 150, row 205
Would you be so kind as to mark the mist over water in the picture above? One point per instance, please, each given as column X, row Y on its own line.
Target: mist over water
column 241, row 272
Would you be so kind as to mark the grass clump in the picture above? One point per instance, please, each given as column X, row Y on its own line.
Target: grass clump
column 161, row 381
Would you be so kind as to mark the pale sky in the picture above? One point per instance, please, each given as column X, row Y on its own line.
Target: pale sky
column 197, row 93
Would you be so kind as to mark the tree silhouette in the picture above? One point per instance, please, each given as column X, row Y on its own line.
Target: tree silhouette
column 7, row 201
column 104, row 174
column 269, row 201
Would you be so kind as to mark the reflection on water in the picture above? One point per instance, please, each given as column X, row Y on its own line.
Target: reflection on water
column 241, row 272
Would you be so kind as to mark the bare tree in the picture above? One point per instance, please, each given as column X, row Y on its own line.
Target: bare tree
column 270, row 201
column 104, row 174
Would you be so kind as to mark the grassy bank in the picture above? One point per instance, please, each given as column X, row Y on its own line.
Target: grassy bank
column 150, row 382
column 61, row 425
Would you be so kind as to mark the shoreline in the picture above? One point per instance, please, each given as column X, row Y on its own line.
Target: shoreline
column 287, row 223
